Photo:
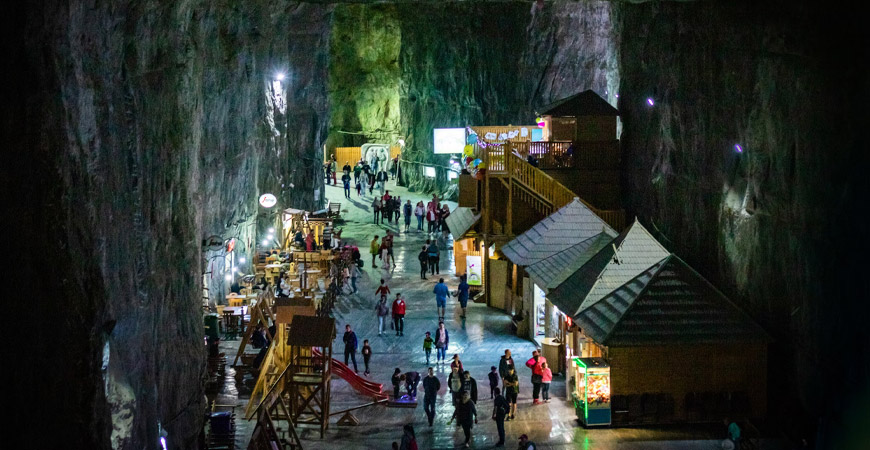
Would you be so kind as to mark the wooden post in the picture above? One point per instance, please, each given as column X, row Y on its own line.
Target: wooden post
column 487, row 289
column 510, row 204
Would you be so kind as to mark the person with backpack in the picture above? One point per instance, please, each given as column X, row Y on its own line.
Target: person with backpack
column 500, row 409
column 382, row 311
column 434, row 258
column 423, row 257
column 406, row 209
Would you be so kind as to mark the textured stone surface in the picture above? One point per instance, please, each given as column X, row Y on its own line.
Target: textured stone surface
column 777, row 225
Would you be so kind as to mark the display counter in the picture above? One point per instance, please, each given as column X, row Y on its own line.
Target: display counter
column 591, row 378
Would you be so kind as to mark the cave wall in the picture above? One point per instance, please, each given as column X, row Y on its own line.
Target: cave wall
column 775, row 225
column 139, row 129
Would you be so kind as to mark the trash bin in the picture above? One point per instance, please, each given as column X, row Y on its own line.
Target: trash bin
column 550, row 350
column 211, row 326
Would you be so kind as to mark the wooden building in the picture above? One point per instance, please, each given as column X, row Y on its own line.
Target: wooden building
column 678, row 349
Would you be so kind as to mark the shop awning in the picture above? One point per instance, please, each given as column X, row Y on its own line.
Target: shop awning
column 460, row 221
column 667, row 303
column 569, row 226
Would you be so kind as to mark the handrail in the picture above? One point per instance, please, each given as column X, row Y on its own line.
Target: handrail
column 545, row 186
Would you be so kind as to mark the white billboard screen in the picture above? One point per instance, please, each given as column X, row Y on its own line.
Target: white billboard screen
column 449, row 140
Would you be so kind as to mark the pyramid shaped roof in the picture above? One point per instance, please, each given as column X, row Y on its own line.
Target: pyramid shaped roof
column 667, row 303
column 569, row 226
column 550, row 272
column 586, row 103
column 636, row 251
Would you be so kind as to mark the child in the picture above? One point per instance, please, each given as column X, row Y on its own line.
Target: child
column 545, row 382
column 493, row 379
column 397, row 380
column 427, row 346
column 367, row 355
column 383, row 290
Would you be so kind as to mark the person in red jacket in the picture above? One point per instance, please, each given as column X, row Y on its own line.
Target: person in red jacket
column 399, row 314
column 534, row 363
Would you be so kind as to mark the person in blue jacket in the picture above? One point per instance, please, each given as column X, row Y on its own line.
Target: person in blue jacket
column 441, row 292
column 462, row 293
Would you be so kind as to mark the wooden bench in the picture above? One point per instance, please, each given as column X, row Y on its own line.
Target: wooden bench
column 333, row 209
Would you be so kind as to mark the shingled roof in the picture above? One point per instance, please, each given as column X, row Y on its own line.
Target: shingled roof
column 461, row 220
column 586, row 103
column 550, row 272
column 667, row 303
column 569, row 226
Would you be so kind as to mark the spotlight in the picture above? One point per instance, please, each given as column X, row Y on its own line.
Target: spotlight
column 265, row 242
column 271, row 230
column 279, row 76
column 235, row 269
column 738, row 148
column 241, row 260
column 649, row 101
column 228, row 277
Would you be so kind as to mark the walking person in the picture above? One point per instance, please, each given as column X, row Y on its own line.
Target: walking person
column 469, row 384
column 500, row 408
column 367, row 356
column 357, row 170
column 511, row 390
column 431, row 386
column 394, row 167
column 328, row 168
column 345, row 181
column 350, row 345
column 399, row 314
column 358, row 189
column 466, row 415
column 409, row 441
column 382, row 311
column 373, row 249
column 423, row 257
column 419, row 212
column 546, row 379
column 388, row 246
column 376, row 208
column 434, row 258
column 454, row 384
column 493, row 381
column 462, row 293
column 441, row 293
column 442, row 340
column 354, row 274
column 407, row 211
column 363, row 184
column 431, row 216
column 383, row 290
column 428, row 343
column 396, row 379
column 534, row 363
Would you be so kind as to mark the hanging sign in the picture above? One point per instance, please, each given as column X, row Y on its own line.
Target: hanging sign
column 489, row 136
column 268, row 200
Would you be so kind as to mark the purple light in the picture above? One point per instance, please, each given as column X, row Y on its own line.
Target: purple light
column 738, row 148
column 650, row 101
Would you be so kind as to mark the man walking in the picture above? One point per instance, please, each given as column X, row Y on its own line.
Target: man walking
column 433, row 258
column 469, row 385
column 499, row 412
column 466, row 415
column 373, row 248
column 388, row 246
column 462, row 293
column 511, row 389
column 345, row 181
column 407, row 212
column 431, row 386
column 442, row 339
column 506, row 362
column 399, row 314
column 350, row 345
column 441, row 293
column 423, row 257
column 354, row 274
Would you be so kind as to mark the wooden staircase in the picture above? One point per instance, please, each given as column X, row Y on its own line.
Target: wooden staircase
column 534, row 187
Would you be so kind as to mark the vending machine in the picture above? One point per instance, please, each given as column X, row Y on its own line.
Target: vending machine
column 591, row 390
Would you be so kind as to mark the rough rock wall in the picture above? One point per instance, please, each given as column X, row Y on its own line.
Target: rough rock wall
column 140, row 128
column 776, row 224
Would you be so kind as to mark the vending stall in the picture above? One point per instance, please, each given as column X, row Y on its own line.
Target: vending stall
column 591, row 381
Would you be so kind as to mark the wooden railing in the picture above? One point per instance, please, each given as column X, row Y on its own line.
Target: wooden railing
column 545, row 193
column 555, row 155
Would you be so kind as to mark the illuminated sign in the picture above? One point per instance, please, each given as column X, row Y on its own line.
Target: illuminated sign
column 268, row 200
column 449, row 140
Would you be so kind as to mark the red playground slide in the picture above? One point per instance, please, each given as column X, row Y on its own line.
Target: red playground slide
column 360, row 384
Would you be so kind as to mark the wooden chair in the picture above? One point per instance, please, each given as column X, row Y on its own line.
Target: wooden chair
column 231, row 325
column 334, row 209
column 236, row 301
